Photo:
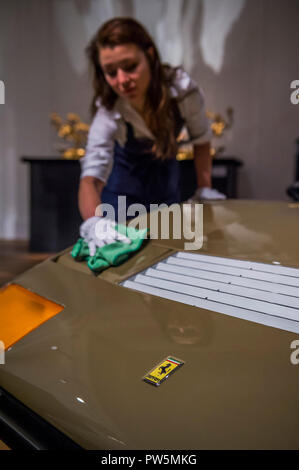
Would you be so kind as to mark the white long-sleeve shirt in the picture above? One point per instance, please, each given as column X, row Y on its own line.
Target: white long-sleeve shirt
column 109, row 126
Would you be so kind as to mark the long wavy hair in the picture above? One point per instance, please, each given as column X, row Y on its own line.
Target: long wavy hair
column 159, row 106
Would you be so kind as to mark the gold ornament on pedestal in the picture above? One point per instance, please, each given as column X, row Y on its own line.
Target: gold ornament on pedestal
column 219, row 125
column 74, row 133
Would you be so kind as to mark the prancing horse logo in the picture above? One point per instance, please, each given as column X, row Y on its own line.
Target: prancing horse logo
column 163, row 369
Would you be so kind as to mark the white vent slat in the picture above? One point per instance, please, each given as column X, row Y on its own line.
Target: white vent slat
column 233, row 280
column 274, row 269
column 260, row 318
column 257, row 292
column 227, row 288
column 221, row 298
column 238, row 272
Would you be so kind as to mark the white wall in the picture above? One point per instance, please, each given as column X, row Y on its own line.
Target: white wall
column 25, row 68
column 243, row 53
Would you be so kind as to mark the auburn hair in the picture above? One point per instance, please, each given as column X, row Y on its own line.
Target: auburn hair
column 159, row 107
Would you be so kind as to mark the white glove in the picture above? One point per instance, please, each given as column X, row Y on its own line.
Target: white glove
column 100, row 231
column 206, row 194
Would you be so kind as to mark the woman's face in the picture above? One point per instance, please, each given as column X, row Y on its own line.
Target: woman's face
column 127, row 71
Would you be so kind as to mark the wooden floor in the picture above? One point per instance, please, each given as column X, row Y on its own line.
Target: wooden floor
column 15, row 258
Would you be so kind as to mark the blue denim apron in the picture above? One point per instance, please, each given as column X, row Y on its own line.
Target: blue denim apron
column 140, row 176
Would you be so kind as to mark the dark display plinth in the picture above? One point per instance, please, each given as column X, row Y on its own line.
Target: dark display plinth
column 54, row 214
column 224, row 176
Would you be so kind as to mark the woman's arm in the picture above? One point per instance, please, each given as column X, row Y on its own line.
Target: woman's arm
column 90, row 190
column 97, row 163
column 203, row 165
column 191, row 104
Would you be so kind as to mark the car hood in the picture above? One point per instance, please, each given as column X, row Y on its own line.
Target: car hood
column 82, row 370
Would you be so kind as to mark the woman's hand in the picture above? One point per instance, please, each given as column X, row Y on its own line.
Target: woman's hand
column 100, row 231
column 90, row 190
column 206, row 194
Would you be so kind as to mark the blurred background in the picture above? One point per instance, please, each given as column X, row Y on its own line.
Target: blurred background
column 243, row 53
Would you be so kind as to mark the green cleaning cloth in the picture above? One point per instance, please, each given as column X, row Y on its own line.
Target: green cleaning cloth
column 110, row 255
column 80, row 250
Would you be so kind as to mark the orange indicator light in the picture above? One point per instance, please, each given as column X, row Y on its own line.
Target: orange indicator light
column 21, row 311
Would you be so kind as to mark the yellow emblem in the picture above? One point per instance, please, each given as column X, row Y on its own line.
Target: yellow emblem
column 163, row 370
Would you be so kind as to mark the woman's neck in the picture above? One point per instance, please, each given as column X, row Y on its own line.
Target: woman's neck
column 139, row 109
column 139, row 106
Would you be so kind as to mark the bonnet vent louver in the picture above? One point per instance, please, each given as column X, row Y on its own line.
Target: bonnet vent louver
column 258, row 292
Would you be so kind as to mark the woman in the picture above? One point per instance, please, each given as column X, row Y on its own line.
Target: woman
column 139, row 107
